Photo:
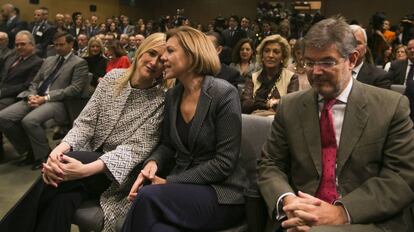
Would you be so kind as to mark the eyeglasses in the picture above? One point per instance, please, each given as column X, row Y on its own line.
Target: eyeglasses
column 20, row 44
column 324, row 64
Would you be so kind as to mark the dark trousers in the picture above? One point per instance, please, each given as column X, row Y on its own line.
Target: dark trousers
column 180, row 207
column 45, row 208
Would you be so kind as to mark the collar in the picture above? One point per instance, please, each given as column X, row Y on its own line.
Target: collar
column 343, row 97
column 356, row 69
column 11, row 18
column 409, row 63
column 67, row 55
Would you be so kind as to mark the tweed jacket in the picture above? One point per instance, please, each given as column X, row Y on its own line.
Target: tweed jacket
column 70, row 81
column 96, row 122
column 213, row 145
column 375, row 158
column 15, row 80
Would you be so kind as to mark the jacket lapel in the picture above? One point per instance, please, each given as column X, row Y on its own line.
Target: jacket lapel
column 310, row 124
column 202, row 109
column 355, row 120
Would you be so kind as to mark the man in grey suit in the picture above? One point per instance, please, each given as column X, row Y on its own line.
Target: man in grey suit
column 335, row 160
column 60, row 77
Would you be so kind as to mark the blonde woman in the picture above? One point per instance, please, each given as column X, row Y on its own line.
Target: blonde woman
column 201, row 137
column 114, row 134
column 263, row 91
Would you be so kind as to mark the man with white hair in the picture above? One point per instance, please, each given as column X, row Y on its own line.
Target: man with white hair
column 363, row 71
column 4, row 47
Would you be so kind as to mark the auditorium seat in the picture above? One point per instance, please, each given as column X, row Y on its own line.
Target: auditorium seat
column 255, row 129
column 398, row 88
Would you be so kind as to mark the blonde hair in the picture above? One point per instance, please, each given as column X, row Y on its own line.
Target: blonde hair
column 95, row 39
column 152, row 41
column 284, row 45
column 201, row 51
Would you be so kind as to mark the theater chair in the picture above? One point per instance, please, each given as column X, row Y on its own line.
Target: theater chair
column 398, row 88
column 255, row 129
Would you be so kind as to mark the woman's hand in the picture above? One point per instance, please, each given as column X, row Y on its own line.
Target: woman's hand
column 50, row 177
column 148, row 172
column 72, row 168
column 271, row 103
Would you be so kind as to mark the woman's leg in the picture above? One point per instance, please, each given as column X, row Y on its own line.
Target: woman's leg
column 180, row 207
column 45, row 208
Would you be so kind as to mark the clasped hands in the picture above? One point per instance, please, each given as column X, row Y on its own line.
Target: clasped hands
column 147, row 173
column 60, row 167
column 304, row 211
column 35, row 101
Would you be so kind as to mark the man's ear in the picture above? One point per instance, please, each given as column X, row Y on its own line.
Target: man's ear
column 219, row 49
column 353, row 58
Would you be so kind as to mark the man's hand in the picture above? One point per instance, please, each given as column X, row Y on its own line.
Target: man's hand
column 311, row 211
column 36, row 101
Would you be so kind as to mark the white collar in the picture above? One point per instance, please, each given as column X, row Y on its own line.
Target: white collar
column 343, row 97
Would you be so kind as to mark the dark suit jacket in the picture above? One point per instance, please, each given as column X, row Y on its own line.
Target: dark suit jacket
column 70, row 81
column 375, row 158
column 231, row 41
column 371, row 75
column 229, row 74
column 43, row 37
column 15, row 26
column 397, row 72
column 14, row 81
column 214, row 141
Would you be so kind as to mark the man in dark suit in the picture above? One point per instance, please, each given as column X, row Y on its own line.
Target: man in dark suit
column 226, row 72
column 363, row 71
column 42, row 31
column 18, row 71
column 335, row 160
column 93, row 29
column 233, row 34
column 13, row 23
column 5, row 51
column 400, row 69
column 59, row 78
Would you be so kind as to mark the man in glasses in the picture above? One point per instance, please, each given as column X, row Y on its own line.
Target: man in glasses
column 60, row 77
column 18, row 71
column 340, row 156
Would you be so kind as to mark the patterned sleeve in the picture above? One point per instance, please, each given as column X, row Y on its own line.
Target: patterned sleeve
column 135, row 150
column 84, row 126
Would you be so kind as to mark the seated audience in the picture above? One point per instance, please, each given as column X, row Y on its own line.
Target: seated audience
column 204, row 190
column 298, row 65
column 132, row 47
column 226, row 72
column 82, row 45
column 363, row 71
column 402, row 71
column 335, row 160
column 96, row 60
column 263, row 91
column 243, row 54
column 18, row 71
column 60, row 77
column 117, row 56
column 400, row 53
column 115, row 133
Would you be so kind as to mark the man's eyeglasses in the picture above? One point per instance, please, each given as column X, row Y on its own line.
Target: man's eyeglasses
column 324, row 64
column 20, row 44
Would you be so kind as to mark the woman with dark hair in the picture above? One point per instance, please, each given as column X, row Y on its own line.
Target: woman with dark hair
column 243, row 54
column 201, row 139
column 113, row 135
column 117, row 56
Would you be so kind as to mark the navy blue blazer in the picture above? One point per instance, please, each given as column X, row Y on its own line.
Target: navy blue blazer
column 214, row 141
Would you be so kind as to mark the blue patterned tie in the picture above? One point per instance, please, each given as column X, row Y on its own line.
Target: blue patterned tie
column 52, row 76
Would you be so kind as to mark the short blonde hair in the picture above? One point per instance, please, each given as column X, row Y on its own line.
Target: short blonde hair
column 284, row 45
column 152, row 41
column 200, row 50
